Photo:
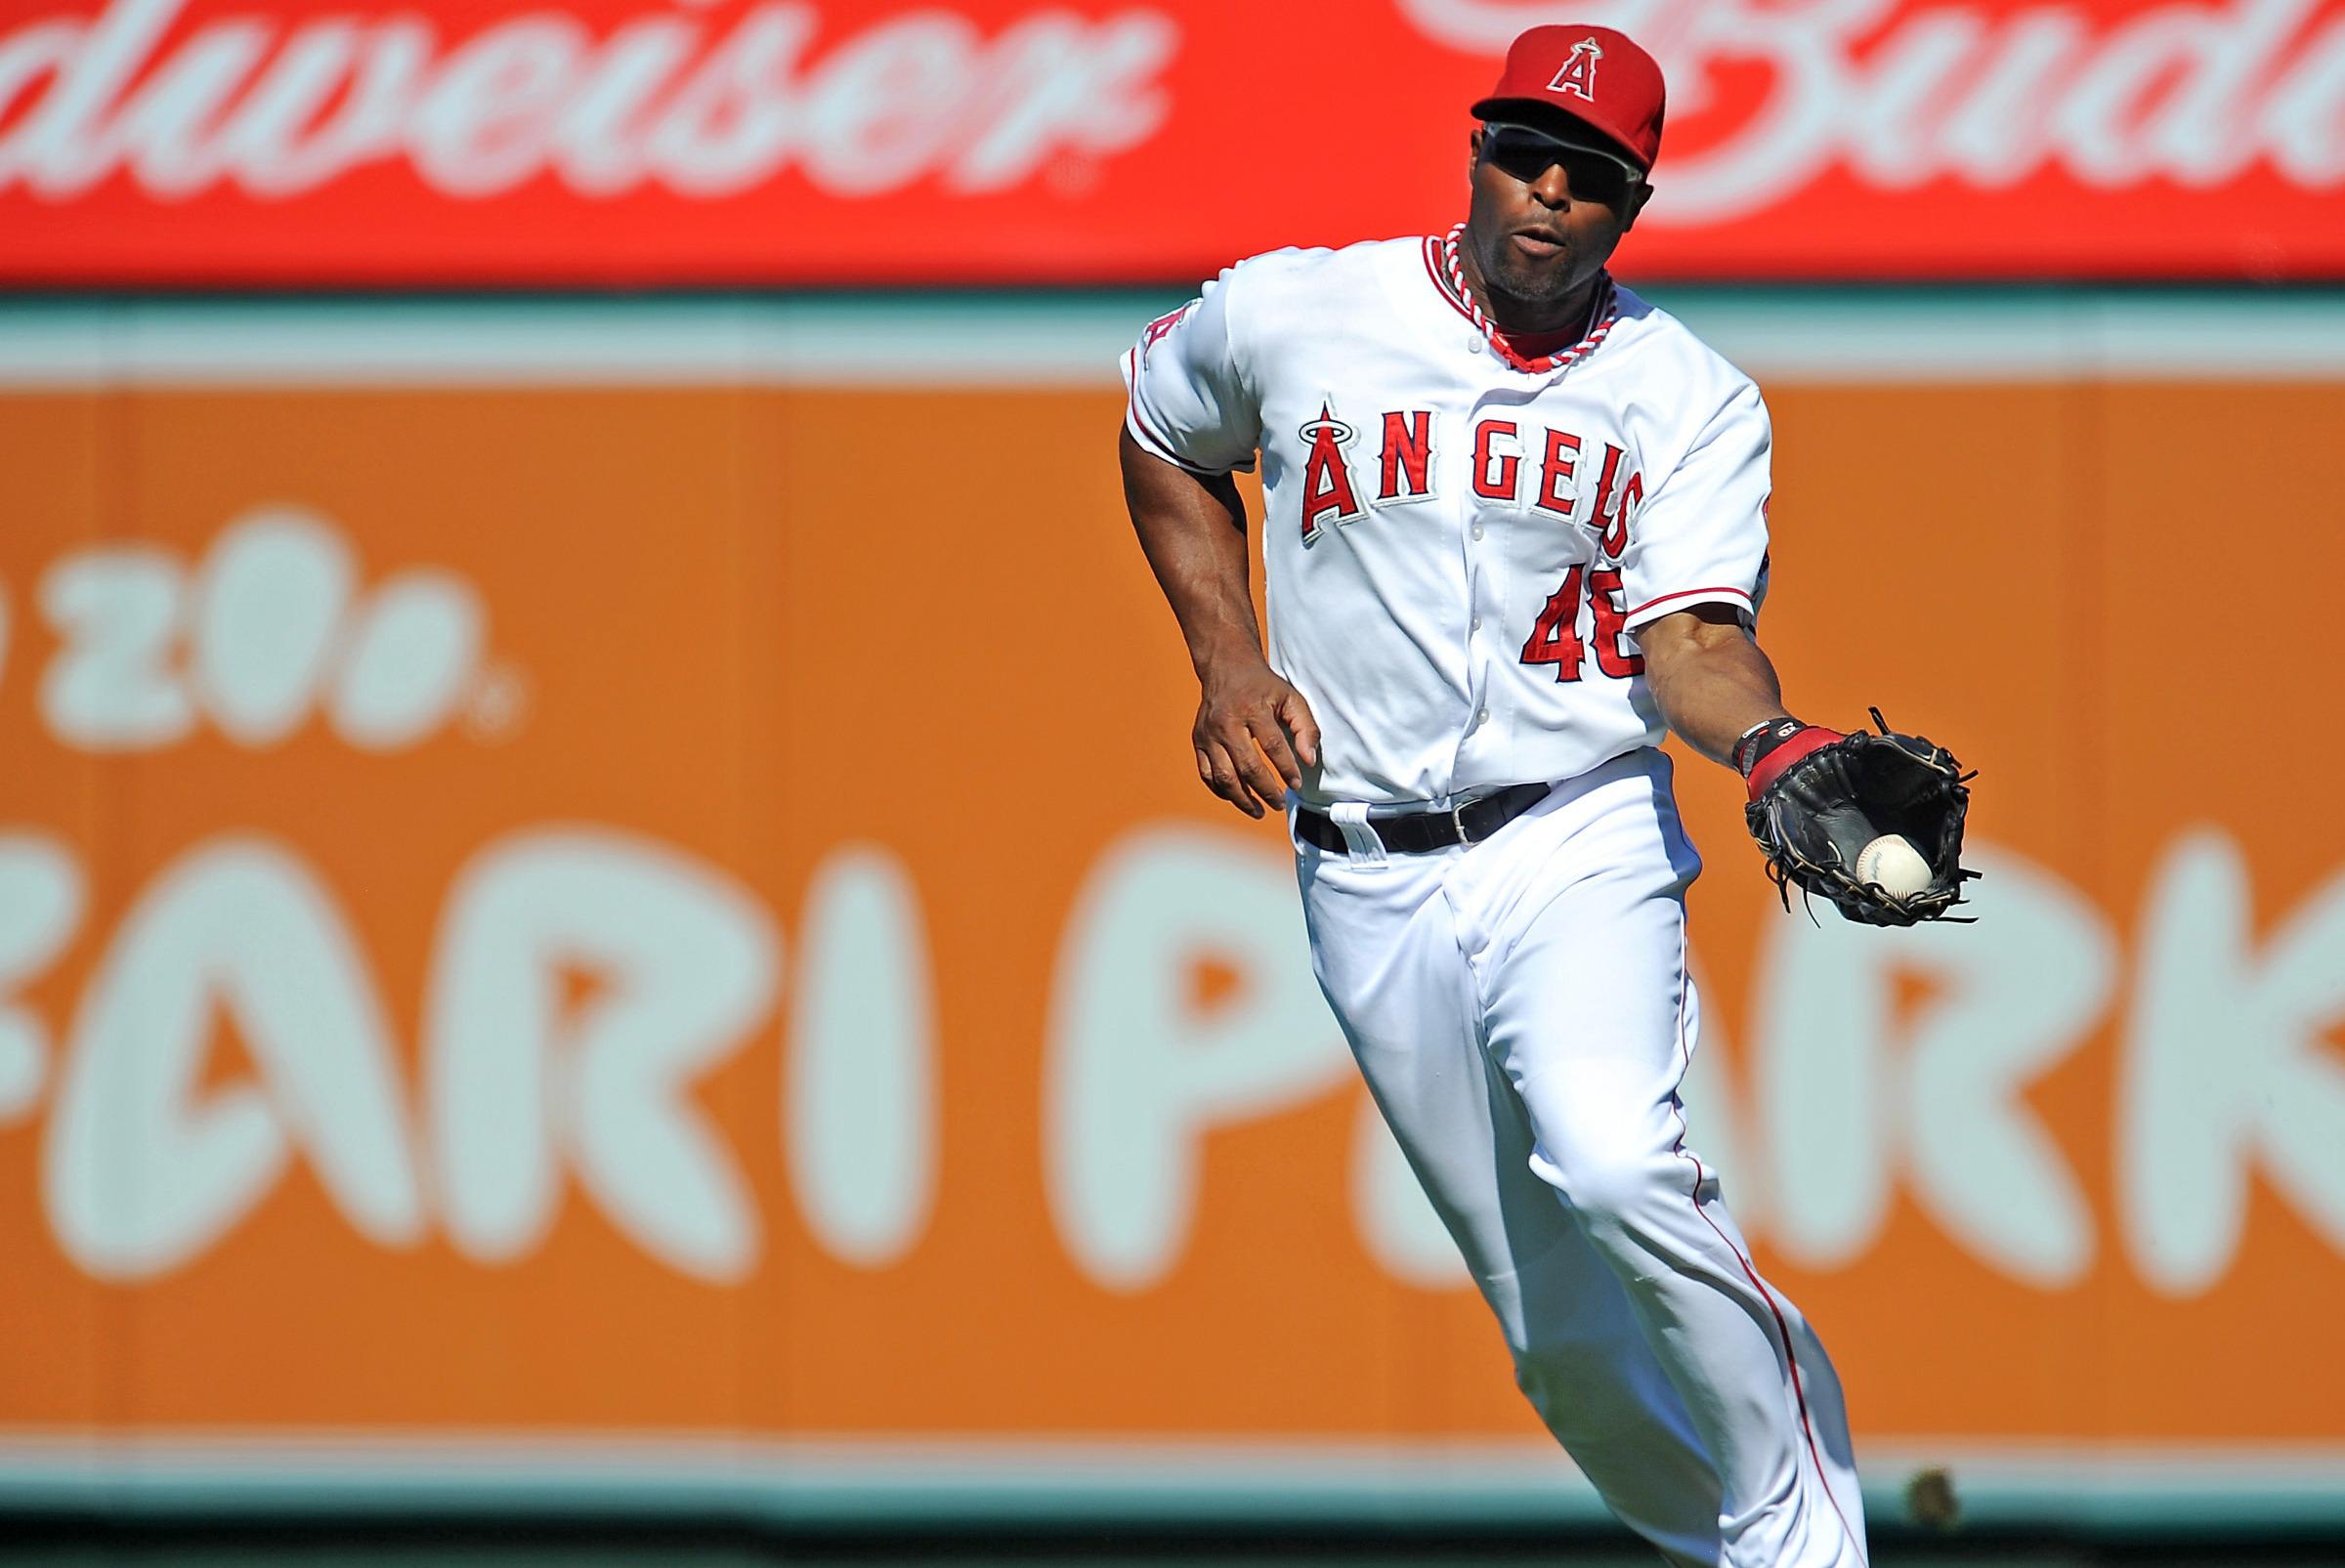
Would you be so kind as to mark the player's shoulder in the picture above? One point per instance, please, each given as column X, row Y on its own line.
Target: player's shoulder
column 1305, row 271
column 1651, row 340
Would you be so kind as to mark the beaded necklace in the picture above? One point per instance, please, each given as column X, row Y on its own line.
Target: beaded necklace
column 1603, row 309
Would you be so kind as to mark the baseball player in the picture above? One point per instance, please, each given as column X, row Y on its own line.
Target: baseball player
column 1516, row 526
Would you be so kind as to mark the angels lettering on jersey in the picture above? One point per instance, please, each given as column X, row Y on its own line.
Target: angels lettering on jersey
column 1533, row 471
column 1513, row 463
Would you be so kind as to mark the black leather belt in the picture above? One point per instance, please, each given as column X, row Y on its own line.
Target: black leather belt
column 1418, row 832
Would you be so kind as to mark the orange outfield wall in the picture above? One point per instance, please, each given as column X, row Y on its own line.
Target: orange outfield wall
column 685, row 910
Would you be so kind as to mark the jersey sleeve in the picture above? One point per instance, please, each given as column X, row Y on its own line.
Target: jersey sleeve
column 1189, row 403
column 1700, row 536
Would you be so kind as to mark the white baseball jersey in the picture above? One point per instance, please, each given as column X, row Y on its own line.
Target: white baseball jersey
column 1454, row 549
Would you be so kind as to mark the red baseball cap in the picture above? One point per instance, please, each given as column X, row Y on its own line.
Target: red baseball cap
column 1596, row 75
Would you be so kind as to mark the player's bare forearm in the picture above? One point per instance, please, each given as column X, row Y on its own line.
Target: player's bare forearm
column 1710, row 677
column 1254, row 734
column 1193, row 531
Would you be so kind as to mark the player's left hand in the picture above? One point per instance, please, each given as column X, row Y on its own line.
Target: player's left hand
column 1820, row 798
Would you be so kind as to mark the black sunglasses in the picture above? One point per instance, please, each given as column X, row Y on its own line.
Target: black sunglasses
column 1526, row 154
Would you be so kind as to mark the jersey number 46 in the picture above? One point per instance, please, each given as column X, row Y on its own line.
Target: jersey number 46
column 1555, row 637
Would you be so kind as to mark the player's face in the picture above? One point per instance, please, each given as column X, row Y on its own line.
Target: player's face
column 1544, row 217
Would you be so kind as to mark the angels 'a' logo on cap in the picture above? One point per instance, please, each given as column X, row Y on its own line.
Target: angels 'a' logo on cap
column 1578, row 75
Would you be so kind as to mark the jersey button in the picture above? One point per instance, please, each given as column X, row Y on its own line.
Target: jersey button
column 1477, row 623
column 1478, row 532
column 1482, row 718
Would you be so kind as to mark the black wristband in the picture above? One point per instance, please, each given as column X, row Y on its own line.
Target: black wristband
column 1760, row 738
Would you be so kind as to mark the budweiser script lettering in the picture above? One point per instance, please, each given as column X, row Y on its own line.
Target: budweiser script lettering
column 702, row 105
column 1900, row 94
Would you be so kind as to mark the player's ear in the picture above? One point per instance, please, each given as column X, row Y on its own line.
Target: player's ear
column 1639, row 196
column 1473, row 151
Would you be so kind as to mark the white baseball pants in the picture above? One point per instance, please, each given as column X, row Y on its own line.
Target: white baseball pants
column 1523, row 1013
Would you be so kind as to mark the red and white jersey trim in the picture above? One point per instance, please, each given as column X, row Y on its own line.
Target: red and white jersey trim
column 1441, row 264
column 1687, row 599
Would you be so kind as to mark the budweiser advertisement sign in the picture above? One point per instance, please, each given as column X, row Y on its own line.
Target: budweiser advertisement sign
column 843, row 141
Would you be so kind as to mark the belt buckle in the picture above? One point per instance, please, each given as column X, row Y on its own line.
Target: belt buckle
column 1457, row 821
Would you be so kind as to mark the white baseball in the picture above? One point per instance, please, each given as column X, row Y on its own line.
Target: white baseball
column 1893, row 865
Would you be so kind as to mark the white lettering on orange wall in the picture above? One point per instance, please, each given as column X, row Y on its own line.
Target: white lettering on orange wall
column 1138, row 1075
column 42, row 893
column 1854, row 1100
column 528, row 1087
column 2227, row 1071
column 861, row 1101
column 138, row 1173
column 272, row 626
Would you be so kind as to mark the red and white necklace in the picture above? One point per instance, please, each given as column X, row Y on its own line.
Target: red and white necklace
column 1602, row 312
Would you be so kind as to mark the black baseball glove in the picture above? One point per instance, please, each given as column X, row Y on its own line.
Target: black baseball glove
column 1818, row 798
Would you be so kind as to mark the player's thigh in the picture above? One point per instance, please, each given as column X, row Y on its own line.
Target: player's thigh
column 1384, row 946
column 1592, row 1017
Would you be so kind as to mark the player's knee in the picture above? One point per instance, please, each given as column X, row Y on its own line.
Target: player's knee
column 1537, row 1377
column 1613, row 1182
column 1544, row 1367
column 1556, row 1377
